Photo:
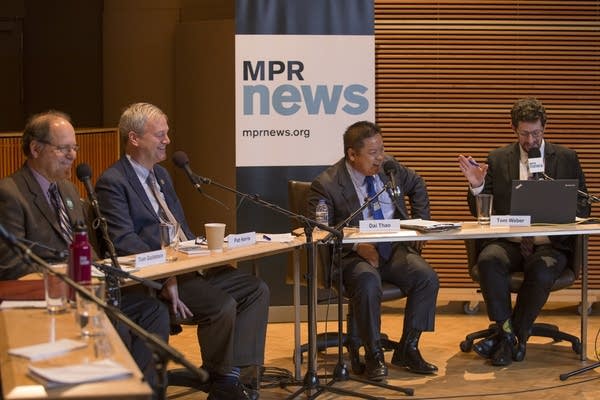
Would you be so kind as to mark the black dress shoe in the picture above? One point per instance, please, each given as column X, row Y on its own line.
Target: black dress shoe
column 233, row 391
column 358, row 367
column 503, row 355
column 412, row 360
column 486, row 347
column 407, row 355
column 375, row 368
column 519, row 352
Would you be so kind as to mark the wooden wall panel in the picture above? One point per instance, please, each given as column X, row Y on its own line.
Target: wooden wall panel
column 98, row 147
column 447, row 74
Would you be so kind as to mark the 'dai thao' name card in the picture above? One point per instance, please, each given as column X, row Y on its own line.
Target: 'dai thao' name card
column 379, row 225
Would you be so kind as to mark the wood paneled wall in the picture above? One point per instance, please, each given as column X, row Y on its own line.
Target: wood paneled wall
column 98, row 147
column 447, row 74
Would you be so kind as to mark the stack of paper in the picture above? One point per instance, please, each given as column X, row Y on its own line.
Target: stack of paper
column 424, row 225
column 96, row 371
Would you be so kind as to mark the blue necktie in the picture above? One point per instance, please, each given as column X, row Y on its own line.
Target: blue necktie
column 384, row 248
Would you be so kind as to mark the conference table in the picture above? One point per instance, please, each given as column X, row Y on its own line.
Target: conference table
column 21, row 327
column 468, row 230
column 473, row 230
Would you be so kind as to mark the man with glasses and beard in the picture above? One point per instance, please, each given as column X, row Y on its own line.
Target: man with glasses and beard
column 541, row 259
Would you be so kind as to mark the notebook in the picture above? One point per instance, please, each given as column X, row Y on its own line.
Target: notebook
column 546, row 201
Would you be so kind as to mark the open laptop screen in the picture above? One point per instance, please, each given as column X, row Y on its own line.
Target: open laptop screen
column 546, row 201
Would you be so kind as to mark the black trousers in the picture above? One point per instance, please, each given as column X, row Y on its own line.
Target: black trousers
column 231, row 310
column 497, row 260
column 405, row 269
column 152, row 315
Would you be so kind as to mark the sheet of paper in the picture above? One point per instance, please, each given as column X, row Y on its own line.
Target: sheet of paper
column 274, row 237
column 100, row 370
column 43, row 351
column 6, row 304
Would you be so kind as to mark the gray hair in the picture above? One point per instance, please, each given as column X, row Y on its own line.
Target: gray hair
column 134, row 118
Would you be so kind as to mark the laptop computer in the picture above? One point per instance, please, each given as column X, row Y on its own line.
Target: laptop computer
column 546, row 201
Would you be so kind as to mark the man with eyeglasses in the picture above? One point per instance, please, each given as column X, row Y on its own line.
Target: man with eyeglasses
column 541, row 260
column 344, row 186
column 30, row 199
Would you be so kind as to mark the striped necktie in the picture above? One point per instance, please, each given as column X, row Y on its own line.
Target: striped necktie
column 384, row 248
column 61, row 212
column 164, row 213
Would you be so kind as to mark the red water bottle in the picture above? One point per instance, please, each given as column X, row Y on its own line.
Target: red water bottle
column 80, row 258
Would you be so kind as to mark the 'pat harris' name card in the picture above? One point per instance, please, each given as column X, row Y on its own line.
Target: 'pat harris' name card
column 510, row 220
column 241, row 240
column 379, row 225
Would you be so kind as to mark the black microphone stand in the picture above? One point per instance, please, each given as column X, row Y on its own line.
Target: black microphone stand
column 113, row 290
column 591, row 199
column 162, row 352
column 340, row 372
column 311, row 384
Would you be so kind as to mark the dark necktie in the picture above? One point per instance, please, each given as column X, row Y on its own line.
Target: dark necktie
column 526, row 246
column 61, row 212
column 384, row 248
column 527, row 241
column 164, row 213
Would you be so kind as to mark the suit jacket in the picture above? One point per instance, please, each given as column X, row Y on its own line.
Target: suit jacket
column 25, row 212
column 336, row 187
column 132, row 222
column 559, row 163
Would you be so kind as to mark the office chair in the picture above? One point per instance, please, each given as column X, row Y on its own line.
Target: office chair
column 298, row 200
column 566, row 279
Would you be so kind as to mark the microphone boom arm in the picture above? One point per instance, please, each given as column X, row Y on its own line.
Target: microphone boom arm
column 589, row 197
column 256, row 199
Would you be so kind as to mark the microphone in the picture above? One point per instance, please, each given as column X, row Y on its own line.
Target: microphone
column 84, row 174
column 389, row 167
column 181, row 160
column 535, row 163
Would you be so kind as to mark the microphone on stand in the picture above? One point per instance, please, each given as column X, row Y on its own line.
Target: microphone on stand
column 84, row 174
column 535, row 161
column 181, row 160
column 390, row 169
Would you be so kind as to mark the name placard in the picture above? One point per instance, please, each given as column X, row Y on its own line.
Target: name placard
column 241, row 240
column 510, row 220
column 150, row 258
column 379, row 225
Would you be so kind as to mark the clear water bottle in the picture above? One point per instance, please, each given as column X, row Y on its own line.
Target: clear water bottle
column 322, row 213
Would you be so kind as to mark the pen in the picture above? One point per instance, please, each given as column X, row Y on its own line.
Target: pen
column 266, row 237
column 473, row 162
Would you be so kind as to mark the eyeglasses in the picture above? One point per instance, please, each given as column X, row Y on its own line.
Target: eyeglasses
column 64, row 149
column 535, row 134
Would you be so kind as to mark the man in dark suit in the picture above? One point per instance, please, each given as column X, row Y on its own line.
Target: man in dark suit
column 229, row 307
column 26, row 210
column 543, row 263
column 344, row 186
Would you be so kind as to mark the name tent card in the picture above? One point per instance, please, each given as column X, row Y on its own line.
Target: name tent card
column 150, row 258
column 379, row 225
column 510, row 220
column 241, row 240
